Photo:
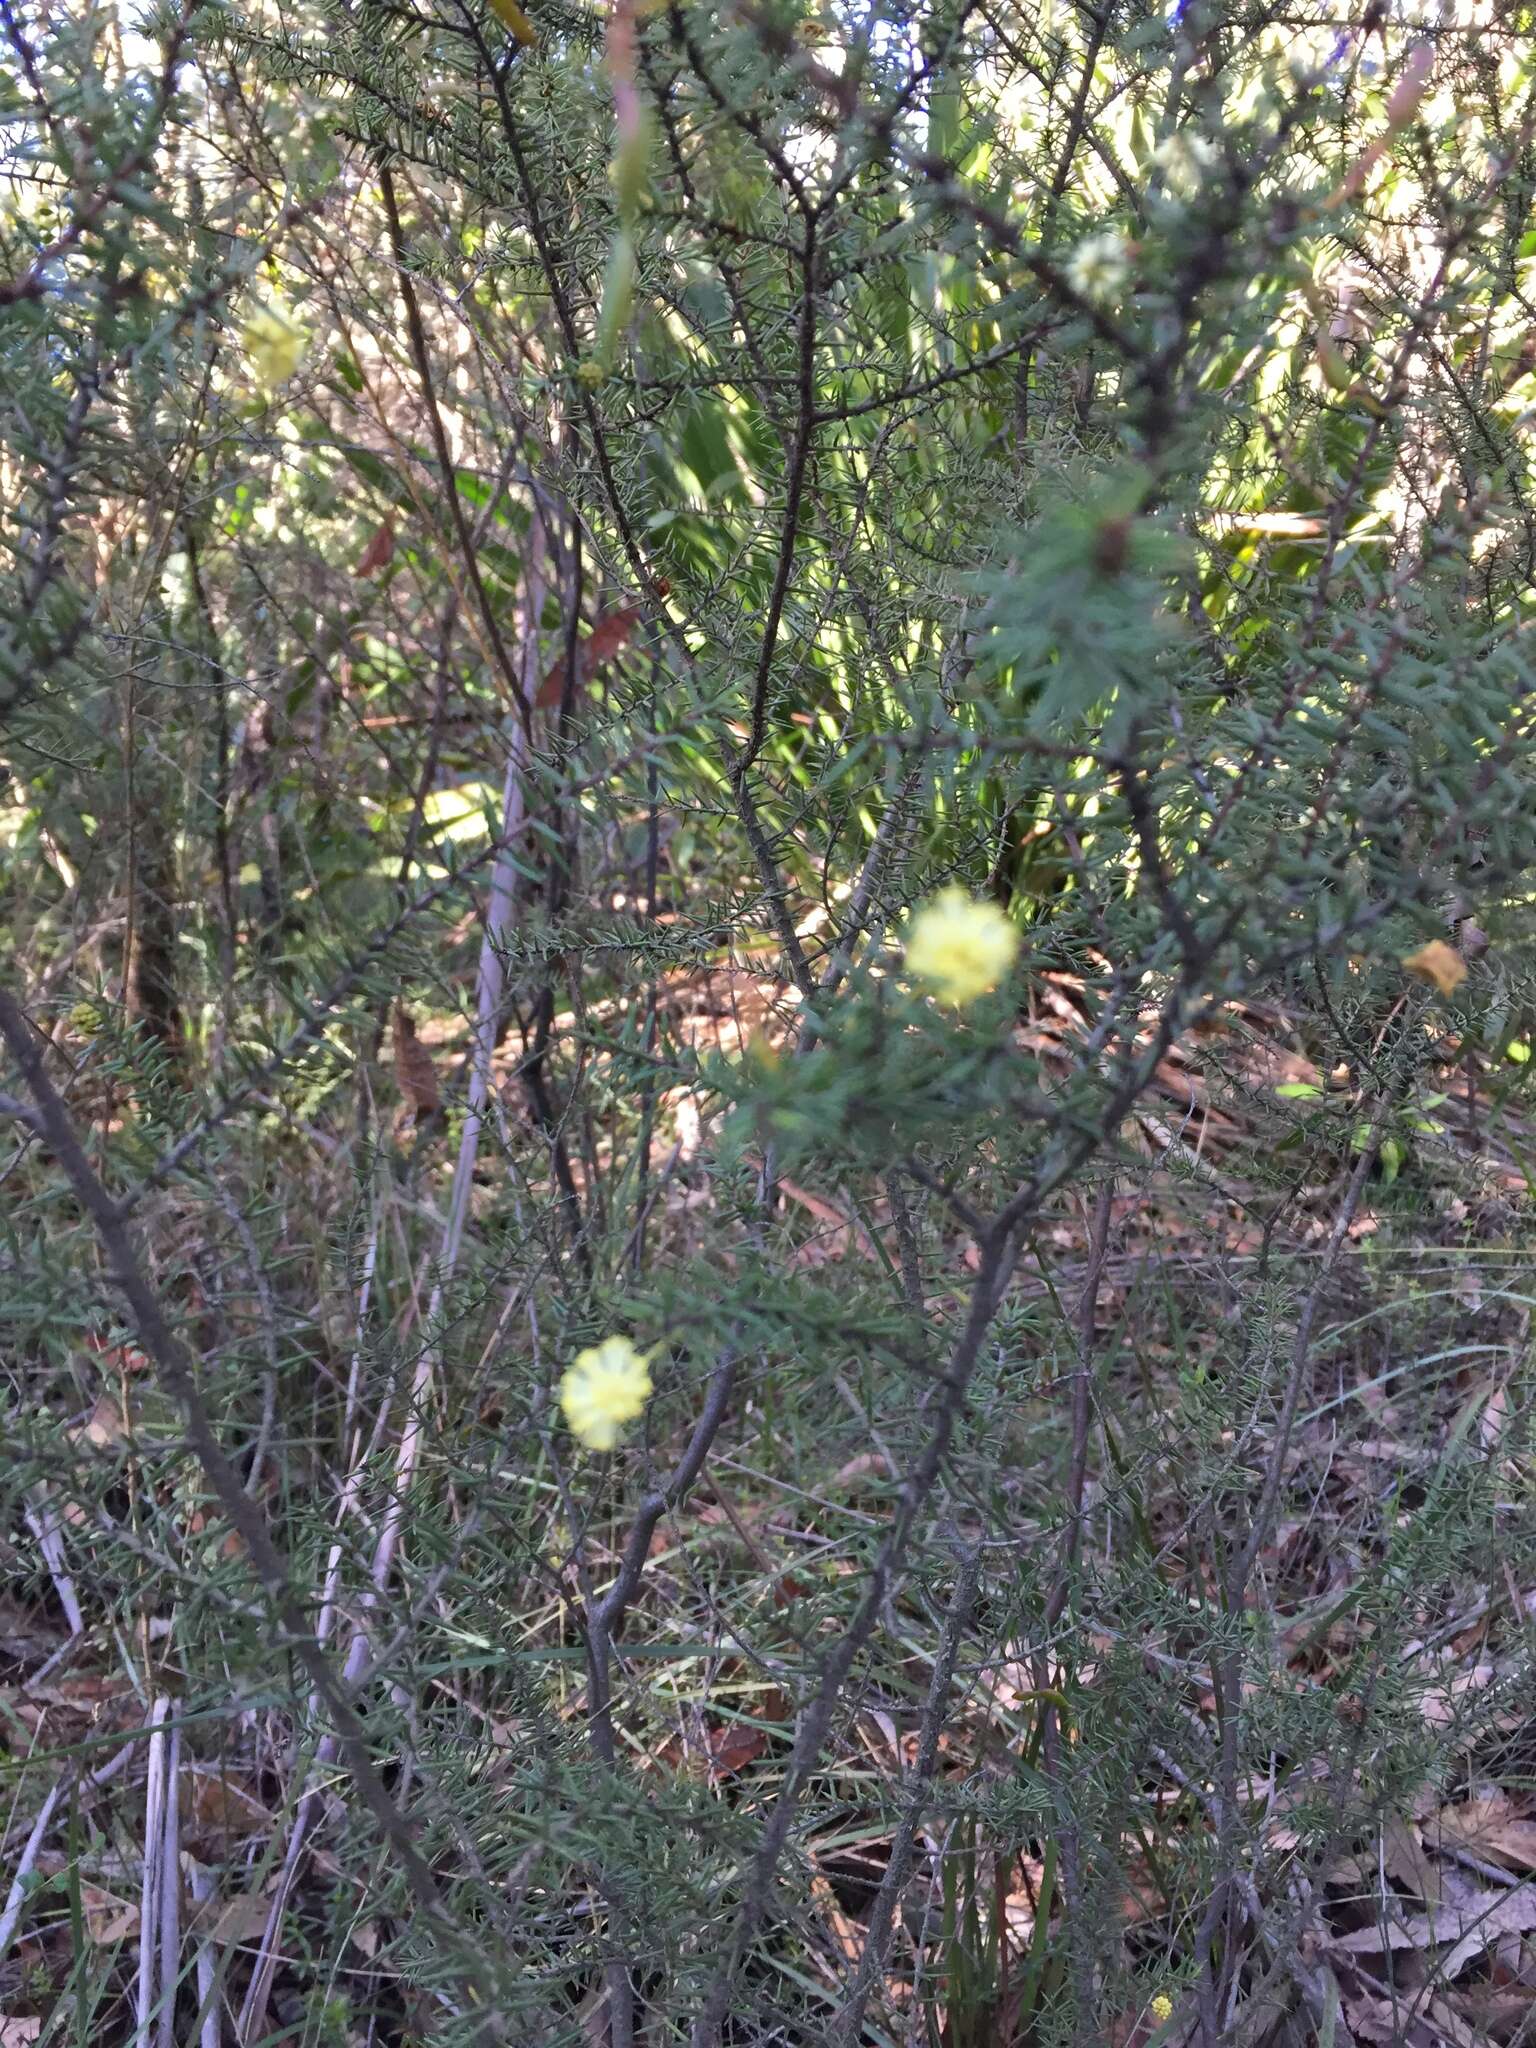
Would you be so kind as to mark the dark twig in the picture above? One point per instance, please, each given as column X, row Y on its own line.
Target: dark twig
column 845, row 2031
column 468, row 553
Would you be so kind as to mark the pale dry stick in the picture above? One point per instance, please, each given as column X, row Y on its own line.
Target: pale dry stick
column 259, row 1986
column 43, row 1521
column 210, row 2033
column 251, row 2024
column 170, row 1893
column 610, row 1610
column 908, row 1250
column 885, row 849
column 1082, row 1399
column 892, row 836
column 267, row 1427
column 26, row 1863
column 634, row 1243
column 1301, row 1352
column 1286, row 1957
column 258, row 1991
column 149, row 1890
column 517, row 684
column 49, row 1665
column 175, row 1370
column 311, row 1030
column 845, row 2031
column 603, row 1621
column 355, row 1366
column 490, row 982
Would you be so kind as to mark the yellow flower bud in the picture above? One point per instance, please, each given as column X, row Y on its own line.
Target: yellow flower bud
column 959, row 946
column 274, row 344
column 605, row 1387
column 1161, row 2008
column 629, row 170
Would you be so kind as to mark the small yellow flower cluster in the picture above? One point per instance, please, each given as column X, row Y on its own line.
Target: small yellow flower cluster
column 960, row 947
column 603, row 1388
column 274, row 343
column 1161, row 2008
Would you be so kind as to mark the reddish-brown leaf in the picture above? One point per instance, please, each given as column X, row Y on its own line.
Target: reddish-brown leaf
column 379, row 552
column 733, row 1747
column 414, row 1069
column 216, row 1807
column 608, row 637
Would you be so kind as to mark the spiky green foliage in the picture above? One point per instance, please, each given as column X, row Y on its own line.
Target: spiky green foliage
column 719, row 479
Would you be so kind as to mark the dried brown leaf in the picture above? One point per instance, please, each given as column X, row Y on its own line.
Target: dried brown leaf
column 1471, row 1926
column 1438, row 964
column 229, row 1921
column 217, row 1804
column 107, row 1425
column 379, row 552
column 733, row 1747
column 414, row 1071
column 108, row 1919
column 867, row 1465
column 608, row 638
column 1439, row 1704
column 1499, row 2014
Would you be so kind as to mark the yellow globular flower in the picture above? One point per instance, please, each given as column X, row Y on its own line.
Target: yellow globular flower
column 1161, row 2008
column 274, row 343
column 959, row 946
column 604, row 1387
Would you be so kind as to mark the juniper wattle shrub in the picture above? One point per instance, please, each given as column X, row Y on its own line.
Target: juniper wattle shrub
column 901, row 639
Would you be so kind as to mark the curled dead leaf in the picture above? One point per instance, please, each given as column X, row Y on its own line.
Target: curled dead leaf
column 108, row 1919
column 379, row 552
column 116, row 1358
column 608, row 638
column 867, row 1465
column 1438, row 964
column 214, row 1804
column 107, row 1425
column 1490, row 1825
